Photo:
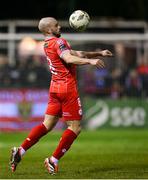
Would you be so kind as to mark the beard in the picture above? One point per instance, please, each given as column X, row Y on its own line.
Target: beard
column 57, row 34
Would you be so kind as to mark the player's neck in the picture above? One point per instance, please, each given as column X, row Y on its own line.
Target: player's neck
column 49, row 37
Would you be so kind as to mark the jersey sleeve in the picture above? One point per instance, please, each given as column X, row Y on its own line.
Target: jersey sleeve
column 62, row 47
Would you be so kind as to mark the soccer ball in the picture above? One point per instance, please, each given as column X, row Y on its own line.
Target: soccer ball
column 79, row 20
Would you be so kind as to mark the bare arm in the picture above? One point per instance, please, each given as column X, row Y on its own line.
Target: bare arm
column 85, row 54
column 72, row 59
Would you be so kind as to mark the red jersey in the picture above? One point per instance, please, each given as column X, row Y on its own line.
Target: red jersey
column 63, row 75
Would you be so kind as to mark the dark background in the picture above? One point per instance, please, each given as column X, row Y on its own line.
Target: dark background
column 61, row 9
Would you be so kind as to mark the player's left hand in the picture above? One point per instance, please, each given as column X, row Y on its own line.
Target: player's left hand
column 106, row 53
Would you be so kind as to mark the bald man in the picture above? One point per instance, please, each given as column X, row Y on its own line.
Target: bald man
column 64, row 98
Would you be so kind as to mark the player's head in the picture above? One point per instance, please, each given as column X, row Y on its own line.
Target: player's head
column 49, row 26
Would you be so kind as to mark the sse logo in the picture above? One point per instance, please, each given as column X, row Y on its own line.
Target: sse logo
column 127, row 116
column 101, row 115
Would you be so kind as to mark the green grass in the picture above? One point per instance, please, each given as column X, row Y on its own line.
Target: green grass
column 97, row 154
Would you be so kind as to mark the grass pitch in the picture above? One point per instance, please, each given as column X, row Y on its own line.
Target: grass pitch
column 97, row 154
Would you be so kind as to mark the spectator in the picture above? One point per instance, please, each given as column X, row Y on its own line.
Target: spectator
column 116, row 90
column 133, row 84
column 142, row 69
column 5, row 78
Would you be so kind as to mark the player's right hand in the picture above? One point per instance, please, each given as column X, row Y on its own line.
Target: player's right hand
column 98, row 63
column 106, row 53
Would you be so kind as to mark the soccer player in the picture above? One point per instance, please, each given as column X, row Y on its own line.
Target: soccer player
column 64, row 98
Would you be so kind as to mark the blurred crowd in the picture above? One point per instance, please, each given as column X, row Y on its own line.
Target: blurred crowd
column 123, row 77
column 27, row 72
column 117, row 83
